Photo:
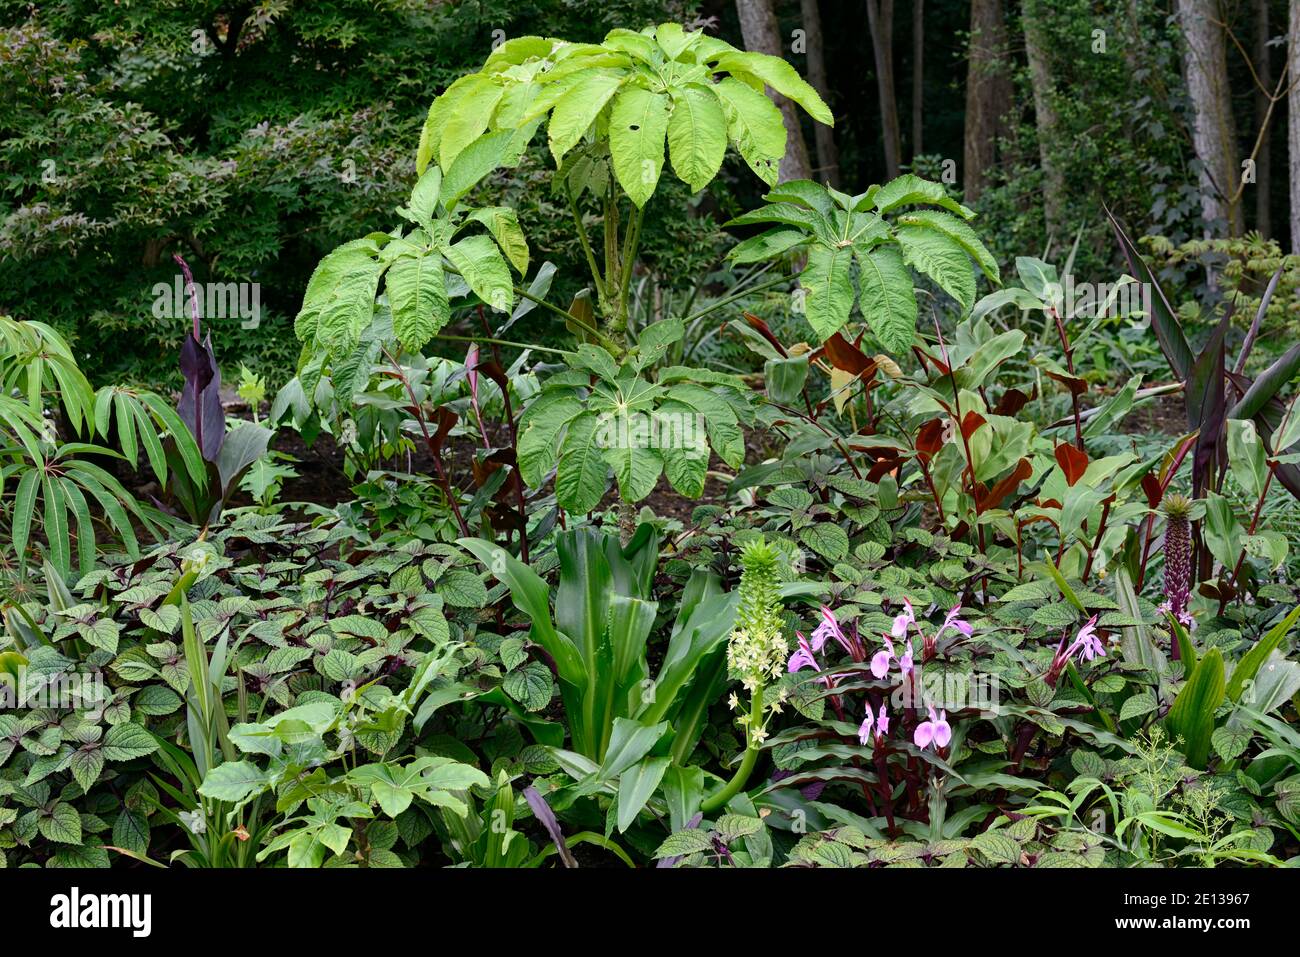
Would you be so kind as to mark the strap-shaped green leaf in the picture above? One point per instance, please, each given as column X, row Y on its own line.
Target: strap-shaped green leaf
column 1192, row 715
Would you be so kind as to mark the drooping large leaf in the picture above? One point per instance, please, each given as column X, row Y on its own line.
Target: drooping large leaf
column 636, row 465
column 828, row 288
column 580, row 481
column 578, row 108
column 886, row 297
column 780, row 76
column 539, row 429
column 911, row 190
column 958, row 232
column 941, row 258
column 418, row 298
column 479, row 261
column 755, row 126
column 638, row 124
column 697, row 135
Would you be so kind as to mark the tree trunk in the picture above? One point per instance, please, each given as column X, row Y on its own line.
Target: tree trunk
column 828, row 156
column 1046, row 120
column 988, row 93
column 1263, row 159
column 918, row 73
column 1293, row 125
column 759, row 30
column 1213, row 137
column 880, row 18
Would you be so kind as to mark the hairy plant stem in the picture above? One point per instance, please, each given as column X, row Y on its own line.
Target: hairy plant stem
column 733, row 787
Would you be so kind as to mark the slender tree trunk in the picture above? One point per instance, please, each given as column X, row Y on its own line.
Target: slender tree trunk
column 761, row 34
column 828, row 156
column 1046, row 120
column 1213, row 136
column 988, row 93
column 918, row 74
column 1293, row 123
column 1264, row 159
column 880, row 19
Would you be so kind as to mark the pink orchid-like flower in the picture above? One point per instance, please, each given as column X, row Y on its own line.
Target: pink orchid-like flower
column 955, row 623
column 803, row 656
column 936, row 731
column 904, row 620
column 882, row 659
column 1086, row 645
column 1086, row 642
column 829, row 628
column 881, row 725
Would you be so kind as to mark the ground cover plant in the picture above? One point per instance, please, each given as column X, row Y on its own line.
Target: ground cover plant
column 865, row 547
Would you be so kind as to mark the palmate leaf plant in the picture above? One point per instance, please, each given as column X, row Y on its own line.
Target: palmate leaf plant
column 611, row 111
column 632, row 419
column 862, row 249
column 448, row 252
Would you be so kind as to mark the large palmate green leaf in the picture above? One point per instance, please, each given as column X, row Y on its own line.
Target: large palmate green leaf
column 855, row 254
column 639, row 91
column 697, row 135
column 580, row 482
column 417, row 296
column 828, row 287
column 638, row 125
column 886, row 298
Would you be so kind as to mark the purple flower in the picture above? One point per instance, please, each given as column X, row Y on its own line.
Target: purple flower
column 936, row 731
column 803, row 657
column 882, row 659
column 903, row 621
column 952, row 621
column 829, row 628
column 881, row 725
column 1086, row 642
column 1086, row 645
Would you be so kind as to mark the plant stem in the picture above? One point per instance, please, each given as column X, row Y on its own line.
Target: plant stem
column 586, row 244
column 1069, row 365
column 418, row 412
column 503, row 342
column 738, row 780
column 631, row 240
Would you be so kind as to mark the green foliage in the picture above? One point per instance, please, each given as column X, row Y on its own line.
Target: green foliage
column 639, row 423
column 856, row 255
column 691, row 91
